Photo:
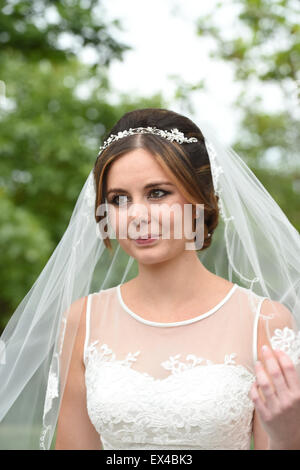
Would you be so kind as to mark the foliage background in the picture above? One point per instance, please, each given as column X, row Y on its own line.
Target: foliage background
column 51, row 127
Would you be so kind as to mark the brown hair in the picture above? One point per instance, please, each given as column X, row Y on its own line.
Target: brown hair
column 188, row 163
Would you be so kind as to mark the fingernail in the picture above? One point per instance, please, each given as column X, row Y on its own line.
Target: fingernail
column 265, row 348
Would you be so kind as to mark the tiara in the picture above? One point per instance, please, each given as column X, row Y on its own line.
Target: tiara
column 174, row 134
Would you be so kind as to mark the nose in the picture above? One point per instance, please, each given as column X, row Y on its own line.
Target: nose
column 138, row 212
column 138, row 216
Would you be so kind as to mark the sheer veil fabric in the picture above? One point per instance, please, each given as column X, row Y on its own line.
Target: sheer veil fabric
column 254, row 246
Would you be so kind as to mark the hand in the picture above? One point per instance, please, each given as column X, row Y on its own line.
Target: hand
column 276, row 396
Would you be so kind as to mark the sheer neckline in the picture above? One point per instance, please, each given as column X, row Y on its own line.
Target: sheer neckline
column 178, row 323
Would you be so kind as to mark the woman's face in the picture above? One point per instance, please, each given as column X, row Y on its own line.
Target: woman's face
column 137, row 209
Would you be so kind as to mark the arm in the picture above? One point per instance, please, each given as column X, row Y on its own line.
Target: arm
column 261, row 438
column 277, row 388
column 75, row 430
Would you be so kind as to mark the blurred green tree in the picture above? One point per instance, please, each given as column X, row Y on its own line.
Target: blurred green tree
column 58, row 30
column 261, row 43
column 55, row 112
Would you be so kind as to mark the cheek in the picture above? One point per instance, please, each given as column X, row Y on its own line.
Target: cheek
column 173, row 221
column 179, row 220
column 188, row 222
column 117, row 220
column 121, row 223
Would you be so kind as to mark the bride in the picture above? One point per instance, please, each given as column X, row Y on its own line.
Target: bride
column 200, row 347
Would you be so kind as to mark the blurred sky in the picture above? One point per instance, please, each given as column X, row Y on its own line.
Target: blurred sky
column 165, row 44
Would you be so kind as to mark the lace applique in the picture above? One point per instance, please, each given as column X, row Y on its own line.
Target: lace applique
column 107, row 354
column 52, row 385
column 175, row 366
column 133, row 410
column 288, row 341
column 229, row 359
column 52, row 391
column 104, row 353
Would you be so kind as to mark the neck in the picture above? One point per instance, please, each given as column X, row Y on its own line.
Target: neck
column 174, row 281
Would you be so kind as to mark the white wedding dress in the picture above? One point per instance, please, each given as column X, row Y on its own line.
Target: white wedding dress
column 182, row 385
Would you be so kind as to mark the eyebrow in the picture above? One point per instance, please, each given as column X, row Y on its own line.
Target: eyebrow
column 150, row 185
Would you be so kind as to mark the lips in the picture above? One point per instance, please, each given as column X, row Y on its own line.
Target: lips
column 143, row 237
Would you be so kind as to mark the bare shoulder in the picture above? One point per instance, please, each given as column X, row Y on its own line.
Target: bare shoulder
column 76, row 328
column 276, row 313
column 76, row 309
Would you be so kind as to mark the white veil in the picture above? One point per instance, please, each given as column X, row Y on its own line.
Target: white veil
column 253, row 245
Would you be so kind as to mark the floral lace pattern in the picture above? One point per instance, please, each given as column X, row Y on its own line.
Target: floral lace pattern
column 52, row 386
column 200, row 404
column 288, row 341
column 175, row 366
column 52, row 391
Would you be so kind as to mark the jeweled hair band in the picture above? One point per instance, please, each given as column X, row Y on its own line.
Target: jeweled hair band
column 172, row 135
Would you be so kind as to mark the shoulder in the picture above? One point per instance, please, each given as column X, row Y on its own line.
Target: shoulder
column 274, row 319
column 276, row 313
column 76, row 311
column 75, row 327
column 269, row 311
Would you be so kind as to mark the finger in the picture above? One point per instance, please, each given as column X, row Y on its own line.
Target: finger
column 290, row 373
column 267, row 388
column 255, row 393
column 275, row 371
column 259, row 402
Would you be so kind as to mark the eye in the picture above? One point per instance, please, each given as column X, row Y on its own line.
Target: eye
column 120, row 200
column 120, row 203
column 159, row 190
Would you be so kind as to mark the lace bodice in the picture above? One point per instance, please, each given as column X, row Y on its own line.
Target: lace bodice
column 182, row 385
column 202, row 407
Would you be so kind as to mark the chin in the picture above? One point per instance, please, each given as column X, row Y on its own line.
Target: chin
column 155, row 254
